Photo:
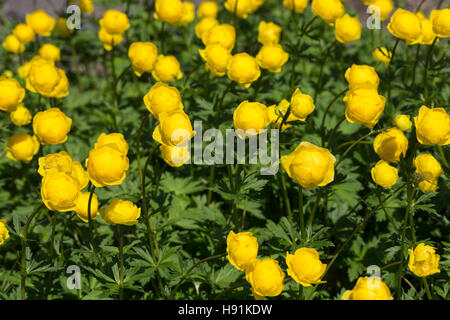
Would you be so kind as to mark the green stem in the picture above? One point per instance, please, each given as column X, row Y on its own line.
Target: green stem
column 287, row 204
column 161, row 37
column 333, row 132
column 425, row 73
column 427, row 288
column 325, row 56
column 416, row 60
column 301, row 213
column 394, row 49
column 322, row 126
column 444, row 158
column 114, row 91
column 313, row 212
column 138, row 144
column 121, row 261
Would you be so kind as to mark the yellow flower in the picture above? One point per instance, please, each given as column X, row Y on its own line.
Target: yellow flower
column 51, row 126
column 405, row 25
column 255, row 5
column 208, row 9
column 382, row 54
column 12, row 44
column 24, row 33
column 24, row 70
column 143, row 57
column 243, row 69
column 432, row 126
column 61, row 28
column 276, row 114
column 59, row 191
column 121, row 212
column 106, row 166
column 170, row 11
column 174, row 128
column 216, row 59
column 403, row 122
column 188, row 13
column 86, row 6
column 4, row 234
column 390, row 145
column 241, row 8
column 428, row 35
column 167, row 69
column 114, row 22
column 347, row 29
column 11, row 94
column 79, row 174
column 272, row 57
column 359, row 76
column 47, row 80
column 310, row 165
column 369, row 288
column 60, row 161
column 162, row 98
column 204, row 26
column 297, row 5
column 242, row 249
column 430, row 170
column 250, row 118
column 175, row 156
column 268, row 33
column 364, row 106
column 223, row 34
column 440, row 19
column 116, row 139
column 385, row 6
column 109, row 40
column 302, row 105
column 423, row 261
column 50, row 52
column 384, row 175
column 328, row 10
column 266, row 278
column 305, row 267
column 21, row 116
column 22, row 147
column 41, row 23
column 82, row 205
column 8, row 74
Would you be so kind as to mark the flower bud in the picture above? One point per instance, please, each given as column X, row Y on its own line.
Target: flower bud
column 41, row 23
column 12, row 44
column 170, row 11
column 208, row 9
column 369, row 288
column 403, row 122
column 250, row 118
column 430, row 169
column 86, row 6
column 61, row 28
column 384, row 175
column 328, row 10
column 359, row 76
column 11, row 94
column 82, row 205
column 272, row 57
column 217, row 58
column 106, row 166
column 440, row 19
column 405, row 25
column 59, row 191
column 423, row 261
column 268, row 33
column 432, row 126
column 4, row 234
column 174, row 128
column 382, row 54
column 305, row 267
column 121, row 212
column 167, row 69
column 243, row 69
column 22, row 147
column 242, row 249
column 364, row 106
column 266, row 278
column 114, row 22
column 50, row 52
column 296, row 5
column 24, row 33
column 21, row 116
column 302, row 105
column 51, row 126
column 390, row 145
column 162, row 98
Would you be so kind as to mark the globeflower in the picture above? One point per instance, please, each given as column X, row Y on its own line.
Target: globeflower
column 59, row 191
column 266, row 278
column 41, row 23
column 430, row 170
column 440, row 21
column 204, row 25
column 250, row 118
column 50, row 52
column 359, row 76
column 86, row 6
column 240, row 8
column 268, row 33
column 403, row 122
column 242, row 249
column 114, row 22
column 12, row 44
column 51, row 126
column 272, row 57
column 61, row 28
column 432, row 126
column 328, row 10
column 4, row 234
column 223, row 34
column 385, row 7
column 208, row 9
column 405, row 25
column 369, row 288
column 170, row 11
column 423, row 260
column 22, row 147
column 167, row 69
column 109, row 40
column 47, row 80
column 216, row 59
column 384, row 175
column 21, row 116
column 364, row 106
column 162, row 98
column 60, row 161
column 302, row 105
column 174, row 128
column 276, row 113
column 305, row 267
column 175, row 156
column 428, row 34
column 11, row 94
column 24, row 33
column 243, row 69
column 347, row 29
column 82, row 205
column 116, row 139
column 143, row 56
column 106, row 166
column 390, row 145
column 188, row 13
column 383, row 55
column 121, row 212
column 296, row 5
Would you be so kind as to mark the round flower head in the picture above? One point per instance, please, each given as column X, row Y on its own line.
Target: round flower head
column 255, row 5
column 305, row 267
column 423, row 261
column 368, row 288
column 250, row 118
column 47, row 80
column 384, row 175
column 429, row 169
column 24, row 33
column 276, row 114
column 60, row 161
column 440, row 20
column 405, row 25
column 50, row 52
column 296, row 5
column 208, row 9
column 12, row 44
column 268, row 33
column 167, row 69
column 428, row 34
column 174, row 128
column 79, row 174
column 266, row 278
column 116, row 139
column 385, row 7
column 241, row 8
column 310, row 165
column 59, row 191
column 175, row 156
column 22, row 147
column 382, row 54
column 432, row 126
column 109, row 40
column 328, row 10
column 403, row 122
column 204, row 26
column 114, row 22
column 243, row 69
column 170, row 11
column 347, row 29
column 87, row 6
column 390, row 145
column 162, row 98
column 4, row 234
column 61, row 28
column 51, row 126
column 216, row 59
column 107, row 166
column 82, row 205
column 41, row 23
column 302, row 105
column 272, row 57
column 21, row 116
column 24, row 70
column 188, row 13
column 143, row 57
column 364, row 106
column 121, row 212
column 11, row 94
column 223, row 34
column 242, row 249
column 362, row 76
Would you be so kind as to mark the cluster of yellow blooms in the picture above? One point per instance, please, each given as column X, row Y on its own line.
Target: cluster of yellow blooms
column 112, row 26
